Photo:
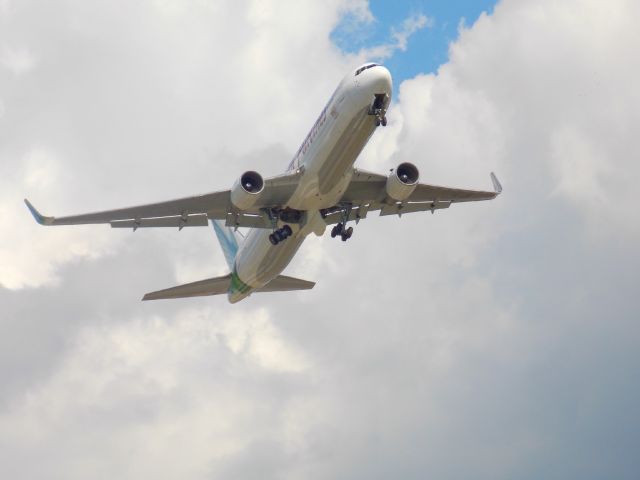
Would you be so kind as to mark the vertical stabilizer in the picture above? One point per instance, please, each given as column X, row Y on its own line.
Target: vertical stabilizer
column 228, row 241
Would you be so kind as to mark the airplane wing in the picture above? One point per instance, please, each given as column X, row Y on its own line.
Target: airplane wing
column 185, row 212
column 367, row 193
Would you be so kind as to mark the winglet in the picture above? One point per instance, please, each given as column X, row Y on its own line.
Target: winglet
column 496, row 184
column 41, row 219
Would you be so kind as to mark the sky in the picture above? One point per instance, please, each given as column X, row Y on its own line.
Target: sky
column 426, row 48
column 489, row 341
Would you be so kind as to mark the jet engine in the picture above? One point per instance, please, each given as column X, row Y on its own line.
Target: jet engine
column 246, row 190
column 402, row 182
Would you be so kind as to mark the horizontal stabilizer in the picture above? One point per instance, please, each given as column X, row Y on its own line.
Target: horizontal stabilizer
column 220, row 285
column 209, row 286
column 282, row 283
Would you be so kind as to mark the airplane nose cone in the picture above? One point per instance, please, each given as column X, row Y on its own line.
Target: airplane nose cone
column 379, row 79
column 384, row 77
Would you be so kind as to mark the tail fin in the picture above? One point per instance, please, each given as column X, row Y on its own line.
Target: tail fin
column 228, row 241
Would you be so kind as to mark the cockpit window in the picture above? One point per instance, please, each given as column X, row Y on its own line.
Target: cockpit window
column 365, row 67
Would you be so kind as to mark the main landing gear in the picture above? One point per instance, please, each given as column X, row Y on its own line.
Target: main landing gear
column 340, row 229
column 280, row 235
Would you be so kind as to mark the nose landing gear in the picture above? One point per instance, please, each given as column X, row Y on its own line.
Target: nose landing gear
column 378, row 108
column 381, row 121
column 280, row 235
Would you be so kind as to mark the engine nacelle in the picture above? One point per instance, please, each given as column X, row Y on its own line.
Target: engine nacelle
column 247, row 190
column 402, row 182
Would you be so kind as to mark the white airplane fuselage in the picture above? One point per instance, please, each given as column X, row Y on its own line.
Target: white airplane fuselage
column 325, row 162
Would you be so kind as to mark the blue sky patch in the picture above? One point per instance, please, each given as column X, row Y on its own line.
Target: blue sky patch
column 426, row 48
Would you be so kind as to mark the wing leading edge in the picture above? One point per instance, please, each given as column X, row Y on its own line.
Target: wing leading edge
column 367, row 192
column 185, row 212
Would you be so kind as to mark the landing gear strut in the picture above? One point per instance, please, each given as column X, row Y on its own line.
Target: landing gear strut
column 378, row 109
column 382, row 120
column 280, row 235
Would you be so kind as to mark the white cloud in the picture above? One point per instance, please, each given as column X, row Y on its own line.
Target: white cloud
column 410, row 26
column 400, row 38
column 503, row 334
column 17, row 60
column 186, row 379
column 5, row 6
column 27, row 258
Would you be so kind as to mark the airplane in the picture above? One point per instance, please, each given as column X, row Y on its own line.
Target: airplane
column 320, row 187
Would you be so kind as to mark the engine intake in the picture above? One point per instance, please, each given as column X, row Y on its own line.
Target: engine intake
column 247, row 190
column 402, row 182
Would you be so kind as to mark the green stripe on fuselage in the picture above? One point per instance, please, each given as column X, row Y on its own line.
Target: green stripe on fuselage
column 237, row 285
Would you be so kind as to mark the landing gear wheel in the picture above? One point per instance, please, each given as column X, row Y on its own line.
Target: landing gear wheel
column 384, row 121
column 378, row 122
column 280, row 235
column 334, row 232
column 346, row 234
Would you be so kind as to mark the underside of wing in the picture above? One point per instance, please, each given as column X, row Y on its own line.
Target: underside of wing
column 367, row 192
column 369, row 187
column 212, row 203
column 186, row 212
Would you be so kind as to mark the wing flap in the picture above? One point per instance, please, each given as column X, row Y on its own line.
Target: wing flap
column 201, row 288
column 247, row 220
column 358, row 212
column 197, row 220
column 402, row 208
